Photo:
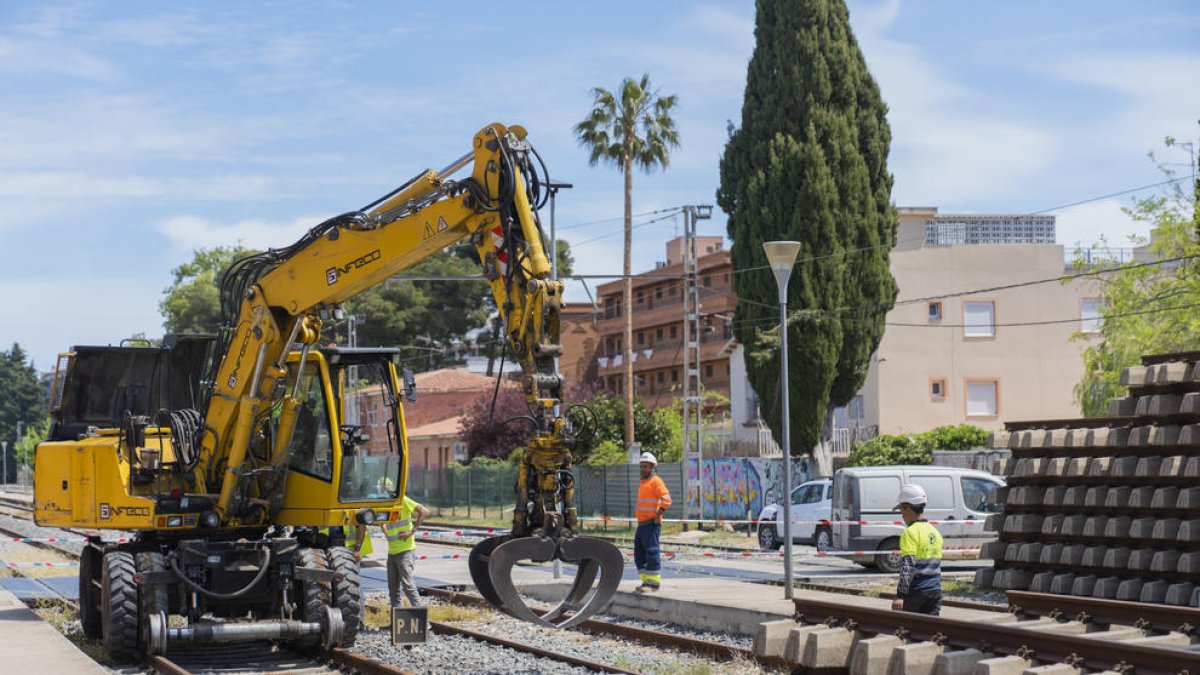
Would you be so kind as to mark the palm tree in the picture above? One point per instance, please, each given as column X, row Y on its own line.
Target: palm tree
column 634, row 128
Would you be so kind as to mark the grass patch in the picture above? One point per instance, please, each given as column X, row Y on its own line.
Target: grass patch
column 959, row 587
column 379, row 615
column 64, row 618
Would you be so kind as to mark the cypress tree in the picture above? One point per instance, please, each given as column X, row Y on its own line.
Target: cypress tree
column 809, row 163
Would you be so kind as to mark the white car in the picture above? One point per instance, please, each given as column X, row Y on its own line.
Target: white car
column 811, row 502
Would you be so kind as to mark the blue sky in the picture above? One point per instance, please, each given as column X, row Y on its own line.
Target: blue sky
column 133, row 132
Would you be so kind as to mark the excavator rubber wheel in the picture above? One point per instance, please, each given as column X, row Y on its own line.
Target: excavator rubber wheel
column 314, row 595
column 90, row 562
column 119, row 606
column 347, row 591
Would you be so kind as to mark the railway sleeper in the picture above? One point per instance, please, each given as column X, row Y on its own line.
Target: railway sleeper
column 824, row 646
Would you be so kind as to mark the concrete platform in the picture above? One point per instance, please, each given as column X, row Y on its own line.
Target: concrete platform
column 30, row 645
column 725, row 605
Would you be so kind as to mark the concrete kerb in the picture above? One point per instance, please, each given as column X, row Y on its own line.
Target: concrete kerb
column 797, row 638
column 1001, row 665
column 771, row 637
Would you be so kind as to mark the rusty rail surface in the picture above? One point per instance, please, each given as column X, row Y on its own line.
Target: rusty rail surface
column 1080, row 652
column 361, row 664
column 1099, row 611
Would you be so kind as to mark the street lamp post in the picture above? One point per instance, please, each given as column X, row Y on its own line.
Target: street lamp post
column 782, row 256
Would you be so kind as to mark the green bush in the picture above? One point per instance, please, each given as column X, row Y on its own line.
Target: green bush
column 887, row 450
column 960, row 437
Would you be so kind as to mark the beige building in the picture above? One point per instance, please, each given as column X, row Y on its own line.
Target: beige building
column 982, row 357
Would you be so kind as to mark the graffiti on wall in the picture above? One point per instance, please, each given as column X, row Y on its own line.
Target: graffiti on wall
column 732, row 487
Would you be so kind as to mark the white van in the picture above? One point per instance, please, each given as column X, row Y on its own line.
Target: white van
column 869, row 493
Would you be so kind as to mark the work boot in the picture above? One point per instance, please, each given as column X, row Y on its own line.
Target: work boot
column 646, row 588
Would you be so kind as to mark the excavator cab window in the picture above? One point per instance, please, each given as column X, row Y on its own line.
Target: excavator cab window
column 311, row 449
column 369, row 430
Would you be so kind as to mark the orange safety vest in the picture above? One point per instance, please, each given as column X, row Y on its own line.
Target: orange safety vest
column 652, row 495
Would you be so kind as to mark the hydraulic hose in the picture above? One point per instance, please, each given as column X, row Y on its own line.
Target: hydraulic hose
column 262, row 572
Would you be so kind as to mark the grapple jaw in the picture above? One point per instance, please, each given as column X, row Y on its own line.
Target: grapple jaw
column 492, row 560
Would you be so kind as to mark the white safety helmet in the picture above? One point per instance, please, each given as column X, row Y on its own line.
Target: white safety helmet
column 648, row 457
column 911, row 494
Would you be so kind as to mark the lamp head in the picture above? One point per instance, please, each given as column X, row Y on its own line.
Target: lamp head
column 781, row 254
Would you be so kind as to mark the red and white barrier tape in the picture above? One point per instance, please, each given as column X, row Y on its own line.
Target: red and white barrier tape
column 794, row 522
column 38, row 564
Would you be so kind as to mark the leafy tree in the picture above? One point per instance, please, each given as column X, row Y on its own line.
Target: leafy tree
column 426, row 316
column 653, row 429
column 631, row 126
column 809, row 164
column 31, row 436
column 191, row 304
column 496, row 431
column 1146, row 309
column 20, row 402
column 566, row 261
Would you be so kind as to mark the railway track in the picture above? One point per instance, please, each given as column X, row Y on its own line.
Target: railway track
column 268, row 657
column 1081, row 633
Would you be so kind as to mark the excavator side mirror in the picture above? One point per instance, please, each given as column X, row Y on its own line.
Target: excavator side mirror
column 410, row 386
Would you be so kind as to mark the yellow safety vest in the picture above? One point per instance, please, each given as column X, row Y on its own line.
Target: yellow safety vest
column 399, row 527
column 352, row 534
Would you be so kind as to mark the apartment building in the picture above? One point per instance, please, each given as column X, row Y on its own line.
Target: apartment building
column 658, row 326
column 970, row 339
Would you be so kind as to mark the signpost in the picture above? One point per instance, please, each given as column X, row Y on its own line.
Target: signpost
column 410, row 626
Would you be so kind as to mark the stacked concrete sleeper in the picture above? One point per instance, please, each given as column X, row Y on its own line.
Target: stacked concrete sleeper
column 1108, row 511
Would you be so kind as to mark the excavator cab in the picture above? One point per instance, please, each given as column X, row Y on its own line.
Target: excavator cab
column 347, row 451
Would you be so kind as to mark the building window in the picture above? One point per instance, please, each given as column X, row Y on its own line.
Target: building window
column 660, row 377
column 1089, row 315
column 982, row 397
column 641, row 338
column 937, row 389
column 979, row 319
column 674, row 375
column 658, row 293
column 935, row 311
column 855, row 409
column 671, row 290
column 707, row 282
column 708, row 370
column 640, row 297
column 673, row 331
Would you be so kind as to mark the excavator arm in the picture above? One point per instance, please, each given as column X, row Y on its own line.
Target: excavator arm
column 274, row 303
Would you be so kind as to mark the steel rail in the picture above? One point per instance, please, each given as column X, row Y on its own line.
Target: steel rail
column 447, row 629
column 362, row 664
column 600, row 626
column 1080, row 652
column 1099, row 611
column 165, row 666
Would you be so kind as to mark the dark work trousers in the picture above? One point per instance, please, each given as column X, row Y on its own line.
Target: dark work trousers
column 646, row 552
column 926, row 603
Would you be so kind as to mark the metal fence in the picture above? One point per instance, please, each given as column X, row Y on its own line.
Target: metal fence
column 727, row 488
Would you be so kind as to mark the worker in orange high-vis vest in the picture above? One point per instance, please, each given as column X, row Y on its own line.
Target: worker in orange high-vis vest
column 652, row 501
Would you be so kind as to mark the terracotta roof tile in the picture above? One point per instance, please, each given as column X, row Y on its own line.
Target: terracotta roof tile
column 456, row 379
column 447, row 427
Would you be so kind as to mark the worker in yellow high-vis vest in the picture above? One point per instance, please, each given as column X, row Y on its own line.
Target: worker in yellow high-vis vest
column 920, row 585
column 401, row 556
column 362, row 540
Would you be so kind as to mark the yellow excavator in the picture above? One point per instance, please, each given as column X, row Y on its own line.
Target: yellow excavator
column 227, row 460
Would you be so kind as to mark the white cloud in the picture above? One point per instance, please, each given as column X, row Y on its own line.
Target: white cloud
column 102, row 310
column 1158, row 98
column 33, row 58
column 1089, row 224
column 186, row 233
column 946, row 145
